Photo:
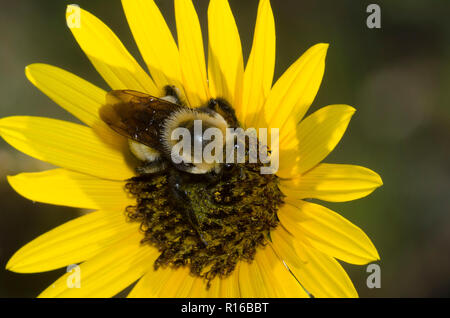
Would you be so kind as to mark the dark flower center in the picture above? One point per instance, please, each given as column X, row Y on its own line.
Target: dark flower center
column 206, row 223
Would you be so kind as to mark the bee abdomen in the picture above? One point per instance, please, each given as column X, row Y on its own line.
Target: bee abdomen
column 143, row 152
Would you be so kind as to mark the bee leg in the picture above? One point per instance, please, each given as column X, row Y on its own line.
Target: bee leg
column 183, row 203
column 202, row 238
column 150, row 167
column 175, row 181
column 242, row 175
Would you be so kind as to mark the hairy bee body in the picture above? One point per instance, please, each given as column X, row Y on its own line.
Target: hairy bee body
column 148, row 123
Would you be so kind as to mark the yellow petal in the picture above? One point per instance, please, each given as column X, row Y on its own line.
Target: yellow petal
column 294, row 92
column 225, row 61
column 65, row 144
column 260, row 67
column 179, row 283
column 284, row 245
column 63, row 187
column 164, row 283
column 72, row 242
column 327, row 231
column 199, row 289
column 268, row 277
column 79, row 97
column 192, row 55
column 148, row 286
column 229, row 286
column 333, row 182
column 108, row 55
column 109, row 272
column 155, row 41
column 277, row 277
column 251, row 282
column 313, row 139
column 321, row 275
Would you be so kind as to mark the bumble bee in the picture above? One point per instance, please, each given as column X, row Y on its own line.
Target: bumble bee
column 148, row 123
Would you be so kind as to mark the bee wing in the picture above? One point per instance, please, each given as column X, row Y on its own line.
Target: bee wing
column 137, row 115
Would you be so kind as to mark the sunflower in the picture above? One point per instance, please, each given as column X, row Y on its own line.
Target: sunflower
column 297, row 255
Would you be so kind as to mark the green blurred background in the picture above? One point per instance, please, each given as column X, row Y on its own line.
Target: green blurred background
column 398, row 78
